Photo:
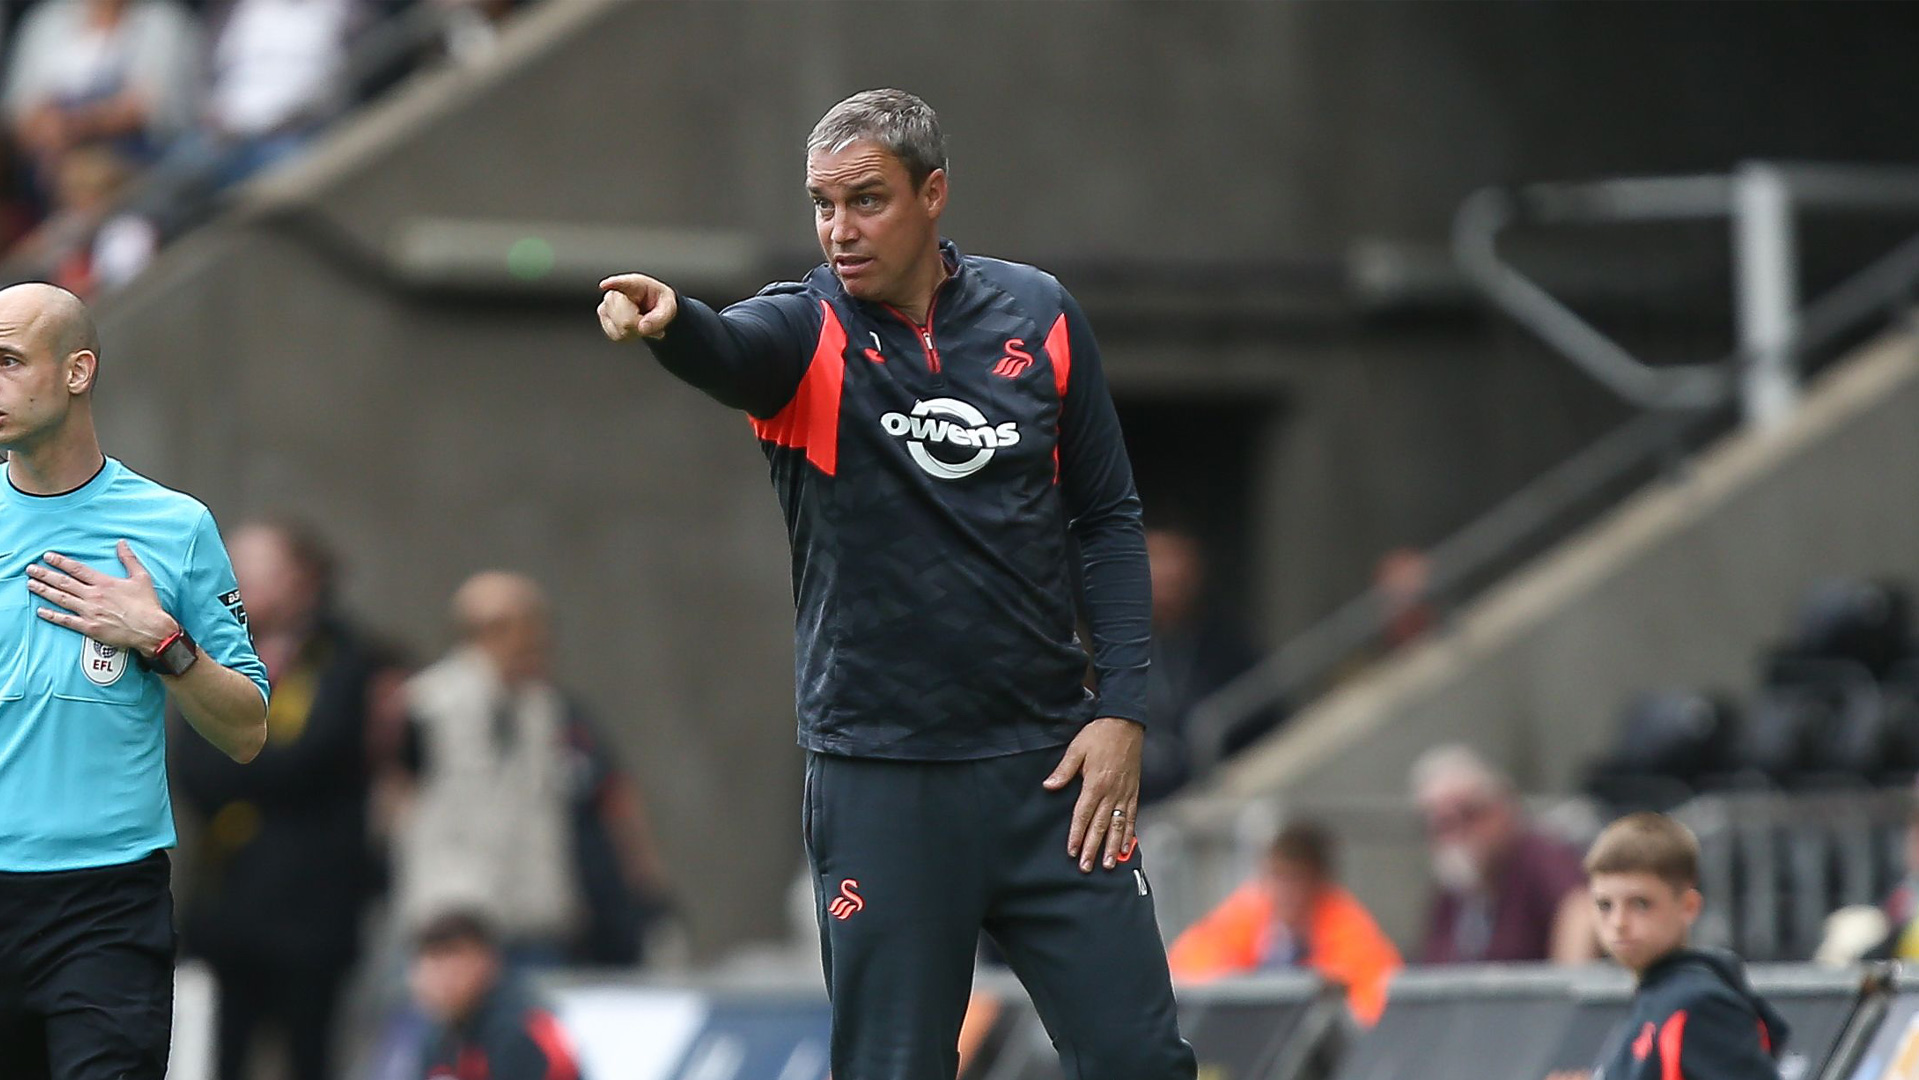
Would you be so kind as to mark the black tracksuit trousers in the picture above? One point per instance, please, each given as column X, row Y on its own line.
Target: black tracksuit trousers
column 912, row 859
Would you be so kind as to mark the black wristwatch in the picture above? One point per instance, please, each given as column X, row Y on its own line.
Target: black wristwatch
column 174, row 656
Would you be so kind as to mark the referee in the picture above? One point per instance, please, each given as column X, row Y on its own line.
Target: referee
column 942, row 440
column 115, row 593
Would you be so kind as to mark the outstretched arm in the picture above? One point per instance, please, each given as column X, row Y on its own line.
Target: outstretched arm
column 750, row 357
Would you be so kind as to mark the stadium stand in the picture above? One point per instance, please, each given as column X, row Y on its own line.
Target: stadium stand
column 1763, row 786
column 228, row 89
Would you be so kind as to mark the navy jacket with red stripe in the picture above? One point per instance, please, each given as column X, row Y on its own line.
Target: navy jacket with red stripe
column 508, row 1037
column 1695, row 1017
column 930, row 477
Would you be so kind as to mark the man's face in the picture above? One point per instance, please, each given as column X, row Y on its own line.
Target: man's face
column 1469, row 828
column 37, row 385
column 449, row 980
column 875, row 227
column 519, row 641
column 1294, row 887
column 281, row 592
column 1174, row 562
column 1641, row 917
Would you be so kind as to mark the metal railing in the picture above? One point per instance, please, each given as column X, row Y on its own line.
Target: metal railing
column 1774, row 866
column 1762, row 202
column 1685, row 406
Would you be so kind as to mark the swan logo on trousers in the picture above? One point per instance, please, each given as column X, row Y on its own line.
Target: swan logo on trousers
column 949, row 422
column 848, row 903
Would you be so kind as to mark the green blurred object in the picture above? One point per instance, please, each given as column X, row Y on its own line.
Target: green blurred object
column 530, row 258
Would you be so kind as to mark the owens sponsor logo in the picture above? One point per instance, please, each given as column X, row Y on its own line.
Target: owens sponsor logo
column 848, row 903
column 949, row 422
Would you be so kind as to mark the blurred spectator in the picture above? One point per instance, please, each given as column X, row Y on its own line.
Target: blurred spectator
column 472, row 27
column 278, row 76
column 121, row 72
column 277, row 66
column 18, row 213
column 1193, row 655
column 1402, row 579
column 519, row 812
column 284, row 870
column 1505, row 893
column 487, row 1025
column 87, row 243
column 1902, row 907
column 1294, row 914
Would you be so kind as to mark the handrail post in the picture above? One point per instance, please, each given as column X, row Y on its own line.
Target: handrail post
column 1767, row 293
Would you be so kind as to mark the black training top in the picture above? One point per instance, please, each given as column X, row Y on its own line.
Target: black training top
column 930, row 476
column 508, row 1037
column 1696, row 1018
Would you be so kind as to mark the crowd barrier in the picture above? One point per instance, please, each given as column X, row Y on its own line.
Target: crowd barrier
column 1278, row 1027
column 1485, row 1023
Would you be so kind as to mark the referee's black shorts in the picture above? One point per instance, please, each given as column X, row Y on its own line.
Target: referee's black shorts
column 86, row 973
column 912, row 859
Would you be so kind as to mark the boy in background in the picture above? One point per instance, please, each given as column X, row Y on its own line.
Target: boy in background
column 1694, row 1016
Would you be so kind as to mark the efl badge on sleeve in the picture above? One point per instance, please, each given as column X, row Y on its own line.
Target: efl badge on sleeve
column 233, row 605
column 103, row 664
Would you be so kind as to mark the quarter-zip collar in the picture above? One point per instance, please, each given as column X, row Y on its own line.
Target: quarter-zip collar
column 825, row 279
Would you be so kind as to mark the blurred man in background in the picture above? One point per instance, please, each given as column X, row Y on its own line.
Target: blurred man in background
column 1506, row 893
column 88, row 243
column 284, row 867
column 487, row 1024
column 518, row 808
column 1403, row 581
column 1294, row 914
column 1194, row 654
column 279, row 72
column 121, row 72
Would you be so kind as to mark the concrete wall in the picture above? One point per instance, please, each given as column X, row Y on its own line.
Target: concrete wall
column 1683, row 586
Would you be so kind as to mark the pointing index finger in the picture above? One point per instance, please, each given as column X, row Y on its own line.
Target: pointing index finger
column 622, row 282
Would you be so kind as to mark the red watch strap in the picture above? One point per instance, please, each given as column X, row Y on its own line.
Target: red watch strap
column 167, row 642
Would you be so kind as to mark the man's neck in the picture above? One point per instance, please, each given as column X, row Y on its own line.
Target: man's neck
column 55, row 466
column 932, row 273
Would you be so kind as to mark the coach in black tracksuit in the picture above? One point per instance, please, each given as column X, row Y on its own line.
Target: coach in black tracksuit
column 937, row 425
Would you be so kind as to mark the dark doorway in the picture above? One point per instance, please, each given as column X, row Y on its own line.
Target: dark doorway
column 1197, row 460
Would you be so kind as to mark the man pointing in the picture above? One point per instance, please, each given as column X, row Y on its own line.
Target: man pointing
column 941, row 438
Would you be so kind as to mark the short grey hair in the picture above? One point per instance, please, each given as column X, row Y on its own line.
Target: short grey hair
column 1457, row 765
column 902, row 124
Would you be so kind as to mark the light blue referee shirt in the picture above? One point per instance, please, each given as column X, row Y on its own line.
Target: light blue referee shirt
column 83, row 777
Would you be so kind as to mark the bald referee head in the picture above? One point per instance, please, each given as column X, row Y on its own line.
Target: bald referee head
column 49, row 359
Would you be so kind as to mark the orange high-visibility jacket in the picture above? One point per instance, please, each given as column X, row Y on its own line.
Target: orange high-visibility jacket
column 1343, row 944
